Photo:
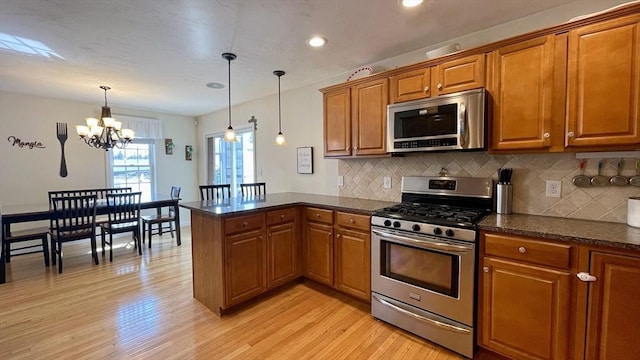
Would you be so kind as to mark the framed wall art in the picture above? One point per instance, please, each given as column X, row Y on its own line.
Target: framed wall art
column 305, row 160
column 188, row 152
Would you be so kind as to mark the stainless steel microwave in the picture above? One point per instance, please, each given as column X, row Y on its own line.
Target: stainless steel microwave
column 447, row 122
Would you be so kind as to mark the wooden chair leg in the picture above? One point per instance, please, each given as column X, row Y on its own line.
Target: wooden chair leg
column 102, row 237
column 150, row 233
column 7, row 252
column 45, row 250
column 136, row 235
column 53, row 251
column 110, row 246
column 59, row 252
column 171, row 229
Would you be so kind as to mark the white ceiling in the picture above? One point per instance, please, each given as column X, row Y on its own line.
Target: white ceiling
column 159, row 54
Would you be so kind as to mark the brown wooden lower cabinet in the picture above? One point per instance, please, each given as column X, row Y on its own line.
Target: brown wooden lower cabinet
column 283, row 258
column 244, row 266
column 319, row 253
column 533, row 306
column 353, row 263
column 525, row 313
column 613, row 305
column 338, row 254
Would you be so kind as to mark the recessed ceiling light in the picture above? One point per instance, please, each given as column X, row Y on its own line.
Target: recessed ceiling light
column 317, row 41
column 215, row 85
column 411, row 3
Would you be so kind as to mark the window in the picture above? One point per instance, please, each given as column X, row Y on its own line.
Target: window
column 133, row 167
column 231, row 162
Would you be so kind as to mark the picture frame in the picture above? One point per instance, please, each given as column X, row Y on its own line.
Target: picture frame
column 168, row 146
column 304, row 157
column 188, row 152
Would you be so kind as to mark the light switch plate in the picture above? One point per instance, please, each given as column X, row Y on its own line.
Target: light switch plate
column 340, row 180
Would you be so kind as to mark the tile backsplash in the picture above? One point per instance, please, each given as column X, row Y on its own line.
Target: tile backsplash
column 363, row 178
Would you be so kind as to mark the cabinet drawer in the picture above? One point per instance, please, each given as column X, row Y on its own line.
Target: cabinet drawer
column 243, row 223
column 528, row 250
column 319, row 215
column 361, row 222
column 281, row 216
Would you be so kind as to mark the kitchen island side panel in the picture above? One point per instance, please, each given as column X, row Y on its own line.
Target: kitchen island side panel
column 207, row 260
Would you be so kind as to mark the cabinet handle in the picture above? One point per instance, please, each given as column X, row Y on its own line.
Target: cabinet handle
column 245, row 224
column 485, row 269
column 439, row 86
column 329, row 234
column 282, row 216
column 355, row 148
column 261, row 238
column 426, row 89
column 584, row 276
column 571, row 134
column 351, row 221
column 522, row 249
column 338, row 236
column 546, row 135
column 269, row 234
column 317, row 215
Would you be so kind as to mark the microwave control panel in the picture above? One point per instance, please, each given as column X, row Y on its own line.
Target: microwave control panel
column 430, row 143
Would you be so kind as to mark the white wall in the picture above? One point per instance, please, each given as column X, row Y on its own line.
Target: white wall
column 302, row 108
column 27, row 174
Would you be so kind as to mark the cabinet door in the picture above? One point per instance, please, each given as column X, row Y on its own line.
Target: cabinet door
column 244, row 266
column 603, row 83
column 282, row 254
column 411, row 85
column 337, row 123
column 613, row 313
column 319, row 253
column 525, row 310
column 369, row 117
column 458, row 75
column 353, row 263
column 522, row 94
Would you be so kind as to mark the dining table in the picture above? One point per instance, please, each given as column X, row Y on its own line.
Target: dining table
column 13, row 214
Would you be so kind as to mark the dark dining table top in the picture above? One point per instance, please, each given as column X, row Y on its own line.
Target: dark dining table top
column 42, row 211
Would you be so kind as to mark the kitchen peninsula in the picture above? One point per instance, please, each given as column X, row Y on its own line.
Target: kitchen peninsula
column 243, row 247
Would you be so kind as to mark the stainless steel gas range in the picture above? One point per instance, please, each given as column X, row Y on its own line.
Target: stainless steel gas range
column 423, row 258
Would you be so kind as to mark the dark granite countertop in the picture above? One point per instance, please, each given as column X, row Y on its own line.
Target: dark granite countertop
column 601, row 233
column 236, row 205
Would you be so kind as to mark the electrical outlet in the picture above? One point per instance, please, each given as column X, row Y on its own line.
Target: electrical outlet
column 386, row 182
column 554, row 188
column 340, row 180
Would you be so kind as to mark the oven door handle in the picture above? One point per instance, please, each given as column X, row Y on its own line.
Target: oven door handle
column 424, row 244
column 437, row 323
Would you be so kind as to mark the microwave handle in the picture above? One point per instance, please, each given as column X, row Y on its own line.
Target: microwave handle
column 462, row 121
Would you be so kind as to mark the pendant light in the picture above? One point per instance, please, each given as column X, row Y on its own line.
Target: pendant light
column 229, row 134
column 280, row 140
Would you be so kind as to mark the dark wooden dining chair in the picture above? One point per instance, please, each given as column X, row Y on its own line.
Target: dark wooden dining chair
column 253, row 189
column 163, row 221
column 74, row 218
column 215, row 192
column 123, row 216
column 22, row 236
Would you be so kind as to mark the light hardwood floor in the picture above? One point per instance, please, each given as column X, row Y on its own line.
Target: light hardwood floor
column 143, row 308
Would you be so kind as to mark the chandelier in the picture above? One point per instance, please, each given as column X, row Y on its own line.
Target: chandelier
column 104, row 133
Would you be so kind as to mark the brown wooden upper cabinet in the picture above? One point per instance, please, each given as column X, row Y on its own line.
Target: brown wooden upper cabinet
column 603, row 84
column 522, row 94
column 355, row 120
column 452, row 76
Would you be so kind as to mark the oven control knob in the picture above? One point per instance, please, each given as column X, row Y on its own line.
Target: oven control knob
column 396, row 224
column 387, row 223
column 416, row 227
column 437, row 231
column 449, row 232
